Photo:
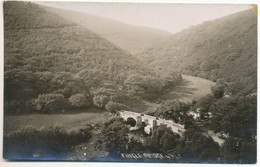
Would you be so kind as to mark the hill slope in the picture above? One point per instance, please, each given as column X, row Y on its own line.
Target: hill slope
column 126, row 36
column 222, row 48
column 49, row 60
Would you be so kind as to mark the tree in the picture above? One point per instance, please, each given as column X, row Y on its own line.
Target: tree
column 195, row 145
column 216, row 123
column 238, row 150
column 135, row 145
column 172, row 110
column 163, row 139
column 49, row 102
column 79, row 101
column 102, row 95
column 205, row 103
column 100, row 100
column 235, row 116
column 188, row 121
column 148, row 87
column 113, row 106
column 218, row 91
column 114, row 135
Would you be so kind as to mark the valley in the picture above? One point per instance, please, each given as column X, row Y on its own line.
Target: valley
column 191, row 88
column 224, row 48
column 68, row 75
column 128, row 37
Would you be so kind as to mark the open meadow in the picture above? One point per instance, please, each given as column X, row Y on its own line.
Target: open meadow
column 68, row 121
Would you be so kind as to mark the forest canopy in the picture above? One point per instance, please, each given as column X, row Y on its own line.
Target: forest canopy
column 48, row 55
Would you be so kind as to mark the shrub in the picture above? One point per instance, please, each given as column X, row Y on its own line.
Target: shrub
column 195, row 145
column 114, row 135
column 79, row 101
column 49, row 102
column 113, row 106
column 163, row 139
column 171, row 109
column 218, row 91
column 237, row 150
column 54, row 141
column 100, row 100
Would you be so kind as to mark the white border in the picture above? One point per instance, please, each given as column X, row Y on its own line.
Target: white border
column 99, row 164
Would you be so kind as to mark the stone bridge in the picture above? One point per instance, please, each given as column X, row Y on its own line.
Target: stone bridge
column 150, row 121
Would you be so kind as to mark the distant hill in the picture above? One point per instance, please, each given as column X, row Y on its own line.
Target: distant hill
column 223, row 48
column 126, row 36
column 48, row 58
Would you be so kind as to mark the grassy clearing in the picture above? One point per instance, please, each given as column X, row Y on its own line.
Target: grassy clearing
column 69, row 121
column 191, row 88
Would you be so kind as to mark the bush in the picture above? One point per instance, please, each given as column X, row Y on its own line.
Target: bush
column 171, row 109
column 237, row 150
column 218, row 91
column 235, row 116
column 122, row 97
column 113, row 107
column 49, row 142
column 114, row 135
column 194, row 145
column 205, row 103
column 49, row 102
column 163, row 139
column 79, row 101
column 100, row 100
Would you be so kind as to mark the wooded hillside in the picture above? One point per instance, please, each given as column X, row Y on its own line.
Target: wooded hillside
column 50, row 61
column 223, row 48
column 128, row 37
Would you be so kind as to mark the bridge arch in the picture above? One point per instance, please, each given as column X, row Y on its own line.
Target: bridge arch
column 131, row 121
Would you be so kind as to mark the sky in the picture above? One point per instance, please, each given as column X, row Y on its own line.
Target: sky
column 170, row 17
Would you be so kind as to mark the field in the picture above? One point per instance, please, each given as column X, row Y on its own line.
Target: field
column 191, row 88
column 69, row 121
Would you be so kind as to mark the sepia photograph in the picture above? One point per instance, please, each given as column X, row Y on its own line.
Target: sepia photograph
column 130, row 82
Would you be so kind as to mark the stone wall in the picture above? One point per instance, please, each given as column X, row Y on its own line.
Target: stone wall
column 151, row 122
